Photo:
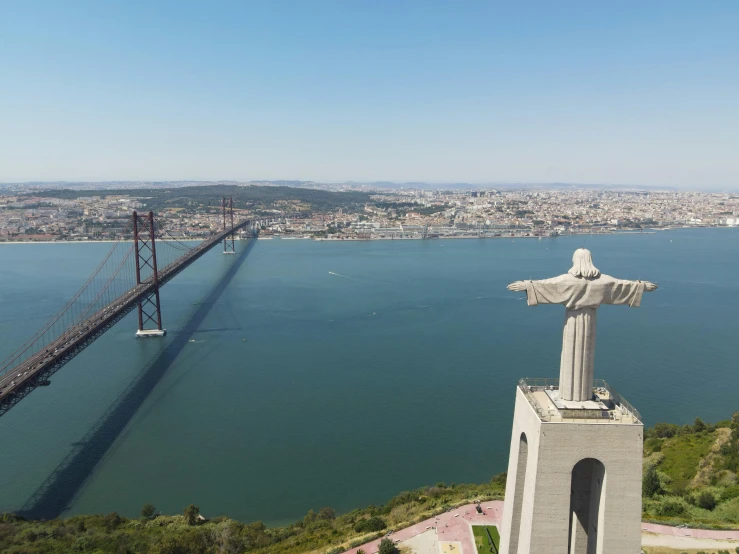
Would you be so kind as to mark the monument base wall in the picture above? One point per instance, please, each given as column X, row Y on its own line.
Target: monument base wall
column 573, row 486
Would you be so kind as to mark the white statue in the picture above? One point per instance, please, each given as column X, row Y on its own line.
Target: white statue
column 582, row 290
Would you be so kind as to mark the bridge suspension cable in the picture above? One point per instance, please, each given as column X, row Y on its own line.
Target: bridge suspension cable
column 110, row 279
column 129, row 277
column 167, row 238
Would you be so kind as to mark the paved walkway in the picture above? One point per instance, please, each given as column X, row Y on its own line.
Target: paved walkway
column 452, row 526
column 696, row 533
column 455, row 527
column 687, row 542
column 425, row 543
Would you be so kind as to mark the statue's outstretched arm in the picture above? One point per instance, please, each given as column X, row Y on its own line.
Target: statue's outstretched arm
column 517, row 286
column 649, row 286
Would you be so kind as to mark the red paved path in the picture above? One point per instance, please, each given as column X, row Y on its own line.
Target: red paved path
column 450, row 526
column 697, row 533
column 455, row 526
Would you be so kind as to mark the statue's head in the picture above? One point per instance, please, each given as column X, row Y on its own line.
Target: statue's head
column 582, row 264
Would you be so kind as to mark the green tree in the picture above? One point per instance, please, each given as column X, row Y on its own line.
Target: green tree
column 112, row 521
column 699, row 425
column 662, row 431
column 255, row 535
column 191, row 514
column 650, row 484
column 171, row 545
column 671, row 507
column 373, row 524
column 387, row 547
column 148, row 511
column 327, row 513
column 706, row 501
column 188, row 542
column 499, row 479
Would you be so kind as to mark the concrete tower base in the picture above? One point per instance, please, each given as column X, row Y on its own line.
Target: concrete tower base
column 146, row 333
column 574, row 474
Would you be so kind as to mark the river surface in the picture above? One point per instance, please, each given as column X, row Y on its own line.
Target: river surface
column 339, row 374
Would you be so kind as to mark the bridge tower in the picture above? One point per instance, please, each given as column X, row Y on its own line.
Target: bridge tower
column 228, row 241
column 150, row 312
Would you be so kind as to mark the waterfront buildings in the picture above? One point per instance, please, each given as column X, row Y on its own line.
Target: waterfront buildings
column 390, row 213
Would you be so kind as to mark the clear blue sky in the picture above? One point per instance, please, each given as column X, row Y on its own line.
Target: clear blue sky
column 642, row 92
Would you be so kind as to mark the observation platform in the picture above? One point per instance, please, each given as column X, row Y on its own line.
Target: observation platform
column 605, row 406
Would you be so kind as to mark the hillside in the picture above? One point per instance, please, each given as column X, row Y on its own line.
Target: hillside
column 690, row 477
column 320, row 531
column 201, row 198
column 690, row 473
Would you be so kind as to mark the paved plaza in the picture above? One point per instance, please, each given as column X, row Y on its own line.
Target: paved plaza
column 451, row 533
column 447, row 533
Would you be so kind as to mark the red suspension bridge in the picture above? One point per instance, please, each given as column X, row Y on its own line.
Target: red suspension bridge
column 128, row 278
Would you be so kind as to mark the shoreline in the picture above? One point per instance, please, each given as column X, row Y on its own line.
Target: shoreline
column 462, row 237
column 352, row 239
column 79, row 241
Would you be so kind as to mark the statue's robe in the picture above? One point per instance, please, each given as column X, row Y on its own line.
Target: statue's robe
column 582, row 297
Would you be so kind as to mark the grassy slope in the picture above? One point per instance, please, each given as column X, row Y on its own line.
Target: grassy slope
column 697, row 469
column 682, row 457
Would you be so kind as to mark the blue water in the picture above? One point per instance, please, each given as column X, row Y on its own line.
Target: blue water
column 338, row 374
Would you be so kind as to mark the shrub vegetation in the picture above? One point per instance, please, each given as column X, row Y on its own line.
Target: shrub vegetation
column 690, row 473
column 690, row 476
column 322, row 531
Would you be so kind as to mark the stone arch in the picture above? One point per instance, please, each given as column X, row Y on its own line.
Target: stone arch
column 587, row 507
column 523, row 457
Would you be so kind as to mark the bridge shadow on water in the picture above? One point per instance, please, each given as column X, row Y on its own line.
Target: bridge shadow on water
column 56, row 493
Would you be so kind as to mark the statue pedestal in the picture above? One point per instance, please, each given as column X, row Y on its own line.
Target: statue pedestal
column 574, row 474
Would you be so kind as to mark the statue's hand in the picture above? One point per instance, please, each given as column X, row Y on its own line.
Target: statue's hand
column 517, row 286
column 649, row 287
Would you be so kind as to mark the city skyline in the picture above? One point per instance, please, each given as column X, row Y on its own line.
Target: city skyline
column 639, row 95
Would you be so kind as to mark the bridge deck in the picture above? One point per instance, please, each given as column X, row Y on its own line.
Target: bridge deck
column 34, row 371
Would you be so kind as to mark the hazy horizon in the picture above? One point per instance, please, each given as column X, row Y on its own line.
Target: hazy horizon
column 380, row 184
column 635, row 94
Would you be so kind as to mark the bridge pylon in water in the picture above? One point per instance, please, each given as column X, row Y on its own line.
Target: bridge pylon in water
column 150, row 312
column 228, row 211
